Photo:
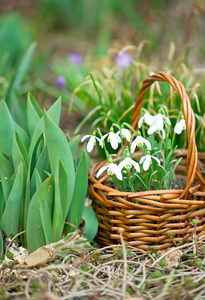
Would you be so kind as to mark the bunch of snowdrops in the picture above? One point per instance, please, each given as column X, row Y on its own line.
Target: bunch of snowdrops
column 156, row 167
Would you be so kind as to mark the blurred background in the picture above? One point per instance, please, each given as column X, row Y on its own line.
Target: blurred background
column 94, row 26
column 40, row 40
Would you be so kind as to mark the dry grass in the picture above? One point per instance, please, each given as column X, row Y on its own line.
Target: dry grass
column 107, row 273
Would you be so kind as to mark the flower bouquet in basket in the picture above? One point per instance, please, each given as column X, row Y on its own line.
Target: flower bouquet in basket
column 149, row 188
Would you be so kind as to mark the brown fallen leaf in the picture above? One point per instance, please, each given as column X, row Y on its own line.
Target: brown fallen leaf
column 172, row 258
column 72, row 243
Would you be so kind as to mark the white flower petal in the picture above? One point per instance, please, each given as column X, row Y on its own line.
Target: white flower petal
column 159, row 121
column 147, row 162
column 180, row 126
column 101, row 170
column 136, row 165
column 149, row 119
column 133, row 146
column 90, row 143
column 168, row 121
column 142, row 159
column 140, row 122
column 152, row 129
column 85, row 137
column 163, row 134
column 114, row 140
column 126, row 133
column 154, row 157
column 147, row 143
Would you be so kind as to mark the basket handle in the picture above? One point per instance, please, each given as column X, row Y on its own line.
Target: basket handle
column 192, row 155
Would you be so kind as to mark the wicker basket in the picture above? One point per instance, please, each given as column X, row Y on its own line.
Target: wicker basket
column 159, row 212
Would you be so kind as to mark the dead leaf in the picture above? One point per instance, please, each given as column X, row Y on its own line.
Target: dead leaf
column 38, row 257
column 172, row 258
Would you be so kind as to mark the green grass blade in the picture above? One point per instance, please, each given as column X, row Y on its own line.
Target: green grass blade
column 91, row 223
column 10, row 219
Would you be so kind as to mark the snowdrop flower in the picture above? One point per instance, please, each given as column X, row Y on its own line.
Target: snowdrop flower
column 146, row 118
column 128, row 162
column 125, row 133
column 124, row 60
column 139, row 141
column 91, row 142
column 112, row 169
column 157, row 124
column 181, row 125
column 113, row 139
column 147, row 160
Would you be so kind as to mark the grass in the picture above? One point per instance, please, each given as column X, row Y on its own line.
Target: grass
column 109, row 273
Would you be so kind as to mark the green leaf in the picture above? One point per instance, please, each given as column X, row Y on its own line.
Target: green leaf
column 5, row 186
column 58, row 148
column 35, row 231
column 19, row 153
column 60, row 209
column 6, row 166
column 79, row 195
column 45, row 215
column 24, row 65
column 1, row 248
column 34, row 114
column 10, row 219
column 6, row 128
column 74, row 145
column 37, row 178
column 91, row 223
column 23, row 135
column 54, row 113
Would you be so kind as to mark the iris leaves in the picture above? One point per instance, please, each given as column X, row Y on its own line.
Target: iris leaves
column 43, row 183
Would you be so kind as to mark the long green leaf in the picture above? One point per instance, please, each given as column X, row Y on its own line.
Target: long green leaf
column 35, row 231
column 60, row 201
column 23, row 135
column 6, row 166
column 34, row 114
column 5, row 186
column 1, row 248
column 10, row 219
column 19, row 153
column 54, row 113
column 6, row 128
column 91, row 223
column 74, row 145
column 24, row 65
column 45, row 215
column 79, row 195
column 58, row 148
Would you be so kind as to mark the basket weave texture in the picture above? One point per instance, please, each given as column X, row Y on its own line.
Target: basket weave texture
column 148, row 217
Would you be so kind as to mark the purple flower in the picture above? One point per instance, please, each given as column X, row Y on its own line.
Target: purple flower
column 76, row 58
column 124, row 60
column 60, row 82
